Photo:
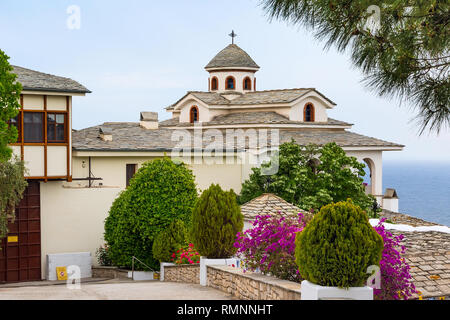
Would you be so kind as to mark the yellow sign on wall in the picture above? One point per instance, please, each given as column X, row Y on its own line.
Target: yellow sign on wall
column 61, row 273
column 13, row 239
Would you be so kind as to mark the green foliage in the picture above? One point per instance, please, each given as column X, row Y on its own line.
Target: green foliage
column 406, row 55
column 170, row 240
column 160, row 192
column 12, row 186
column 216, row 219
column 337, row 246
column 311, row 177
column 9, row 106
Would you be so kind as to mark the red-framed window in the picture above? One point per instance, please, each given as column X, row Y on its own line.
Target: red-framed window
column 194, row 114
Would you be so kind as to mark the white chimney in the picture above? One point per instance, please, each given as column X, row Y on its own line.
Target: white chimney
column 149, row 120
column 105, row 133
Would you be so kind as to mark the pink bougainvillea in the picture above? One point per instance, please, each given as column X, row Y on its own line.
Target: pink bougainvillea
column 396, row 281
column 269, row 246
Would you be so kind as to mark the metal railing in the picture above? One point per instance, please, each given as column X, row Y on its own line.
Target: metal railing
column 132, row 266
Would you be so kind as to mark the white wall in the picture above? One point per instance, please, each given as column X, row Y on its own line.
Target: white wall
column 320, row 109
column 376, row 158
column 72, row 219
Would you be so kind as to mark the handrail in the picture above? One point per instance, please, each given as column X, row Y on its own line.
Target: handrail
column 132, row 266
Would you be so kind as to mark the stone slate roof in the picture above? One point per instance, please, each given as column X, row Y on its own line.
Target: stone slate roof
column 38, row 81
column 252, row 98
column 232, row 57
column 239, row 118
column 342, row 138
column 268, row 204
column 129, row 136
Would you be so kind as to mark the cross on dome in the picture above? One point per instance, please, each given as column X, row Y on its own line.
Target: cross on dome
column 232, row 35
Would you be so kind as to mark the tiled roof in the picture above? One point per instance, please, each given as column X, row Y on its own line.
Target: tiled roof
column 342, row 138
column 38, row 81
column 232, row 57
column 239, row 118
column 281, row 96
column 268, row 204
column 129, row 136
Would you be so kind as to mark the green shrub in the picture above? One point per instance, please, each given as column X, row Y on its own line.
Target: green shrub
column 160, row 192
column 216, row 219
column 169, row 240
column 337, row 246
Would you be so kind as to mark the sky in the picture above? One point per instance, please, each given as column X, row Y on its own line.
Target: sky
column 141, row 55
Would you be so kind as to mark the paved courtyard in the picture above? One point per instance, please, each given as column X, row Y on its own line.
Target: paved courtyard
column 114, row 290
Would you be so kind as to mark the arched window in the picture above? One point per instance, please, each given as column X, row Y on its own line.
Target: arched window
column 247, row 84
column 194, row 115
column 214, row 83
column 308, row 113
column 230, row 83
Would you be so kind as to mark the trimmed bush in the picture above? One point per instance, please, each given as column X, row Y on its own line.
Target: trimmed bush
column 160, row 192
column 216, row 219
column 337, row 246
column 169, row 241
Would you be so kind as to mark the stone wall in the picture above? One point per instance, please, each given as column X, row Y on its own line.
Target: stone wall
column 109, row 272
column 250, row 285
column 182, row 273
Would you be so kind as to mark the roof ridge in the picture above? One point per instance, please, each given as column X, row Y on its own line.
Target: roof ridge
column 291, row 89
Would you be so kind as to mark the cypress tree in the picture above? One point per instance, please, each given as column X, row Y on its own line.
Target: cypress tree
column 337, row 246
column 216, row 219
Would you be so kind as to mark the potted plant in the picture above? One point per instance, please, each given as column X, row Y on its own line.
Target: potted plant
column 334, row 252
column 216, row 219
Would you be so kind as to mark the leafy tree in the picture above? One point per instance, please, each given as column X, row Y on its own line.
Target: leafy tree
column 216, row 219
column 402, row 47
column 311, row 177
column 159, row 193
column 12, row 186
column 9, row 106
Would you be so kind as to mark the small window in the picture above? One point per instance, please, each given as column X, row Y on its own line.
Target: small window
column 214, row 83
column 194, row 115
column 247, row 84
column 308, row 113
column 230, row 83
column 16, row 122
column 131, row 171
column 56, row 128
column 33, row 127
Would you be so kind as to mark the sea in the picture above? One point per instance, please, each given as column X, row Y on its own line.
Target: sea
column 423, row 189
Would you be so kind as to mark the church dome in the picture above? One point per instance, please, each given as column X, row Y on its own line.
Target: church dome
column 232, row 57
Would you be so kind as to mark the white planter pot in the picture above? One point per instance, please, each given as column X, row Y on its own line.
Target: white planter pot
column 214, row 262
column 161, row 272
column 311, row 291
column 141, row 275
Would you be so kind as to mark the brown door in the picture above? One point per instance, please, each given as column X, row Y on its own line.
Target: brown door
column 20, row 255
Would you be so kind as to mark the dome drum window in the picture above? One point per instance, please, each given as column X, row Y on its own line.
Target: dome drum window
column 247, row 84
column 214, row 83
column 230, row 83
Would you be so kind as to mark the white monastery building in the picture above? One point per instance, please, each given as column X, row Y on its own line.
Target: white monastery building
column 74, row 176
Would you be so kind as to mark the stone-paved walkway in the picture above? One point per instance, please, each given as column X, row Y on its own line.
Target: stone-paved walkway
column 428, row 254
